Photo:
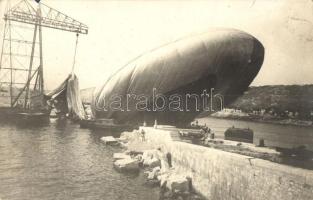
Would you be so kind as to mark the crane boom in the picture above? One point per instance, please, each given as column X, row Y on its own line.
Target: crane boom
column 24, row 12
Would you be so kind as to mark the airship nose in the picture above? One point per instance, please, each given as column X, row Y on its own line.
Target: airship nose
column 237, row 73
column 257, row 55
column 253, row 66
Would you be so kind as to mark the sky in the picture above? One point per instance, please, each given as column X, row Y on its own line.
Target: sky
column 121, row 30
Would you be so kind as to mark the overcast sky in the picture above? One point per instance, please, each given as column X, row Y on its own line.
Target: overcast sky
column 121, row 30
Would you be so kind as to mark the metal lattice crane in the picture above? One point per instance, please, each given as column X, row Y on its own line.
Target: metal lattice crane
column 21, row 61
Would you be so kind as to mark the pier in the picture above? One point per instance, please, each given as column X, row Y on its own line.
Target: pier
column 218, row 174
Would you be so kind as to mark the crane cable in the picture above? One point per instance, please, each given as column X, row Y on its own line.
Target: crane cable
column 74, row 61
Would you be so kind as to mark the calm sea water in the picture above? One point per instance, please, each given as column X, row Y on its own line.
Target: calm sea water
column 275, row 134
column 62, row 161
column 220, row 125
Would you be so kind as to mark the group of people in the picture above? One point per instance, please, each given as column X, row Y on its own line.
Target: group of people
column 207, row 132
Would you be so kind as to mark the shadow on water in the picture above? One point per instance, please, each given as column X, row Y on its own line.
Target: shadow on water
column 60, row 124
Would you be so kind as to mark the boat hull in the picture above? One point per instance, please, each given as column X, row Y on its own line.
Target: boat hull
column 24, row 117
column 98, row 124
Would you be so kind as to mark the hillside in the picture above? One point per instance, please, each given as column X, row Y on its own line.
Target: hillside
column 279, row 100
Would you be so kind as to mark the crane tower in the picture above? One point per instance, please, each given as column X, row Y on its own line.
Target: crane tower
column 21, row 59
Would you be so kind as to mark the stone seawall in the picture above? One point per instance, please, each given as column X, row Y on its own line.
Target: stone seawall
column 222, row 175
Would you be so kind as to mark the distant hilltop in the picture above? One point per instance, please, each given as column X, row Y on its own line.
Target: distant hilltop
column 284, row 104
column 280, row 100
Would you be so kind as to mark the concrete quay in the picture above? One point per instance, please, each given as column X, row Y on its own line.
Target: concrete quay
column 217, row 174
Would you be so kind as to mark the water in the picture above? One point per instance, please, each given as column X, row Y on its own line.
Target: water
column 62, row 161
column 220, row 125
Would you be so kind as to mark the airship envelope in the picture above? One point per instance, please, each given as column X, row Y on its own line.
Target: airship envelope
column 220, row 62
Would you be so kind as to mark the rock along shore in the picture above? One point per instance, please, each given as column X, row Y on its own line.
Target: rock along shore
column 183, row 170
column 155, row 163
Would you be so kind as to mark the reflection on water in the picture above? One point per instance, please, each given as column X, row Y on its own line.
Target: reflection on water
column 62, row 161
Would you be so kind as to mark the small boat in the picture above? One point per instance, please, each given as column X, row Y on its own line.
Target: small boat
column 103, row 124
column 32, row 117
column 24, row 116
column 239, row 134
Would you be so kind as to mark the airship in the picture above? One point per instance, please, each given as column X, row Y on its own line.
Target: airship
column 174, row 83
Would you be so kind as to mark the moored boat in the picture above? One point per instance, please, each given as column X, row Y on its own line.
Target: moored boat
column 24, row 116
column 103, row 124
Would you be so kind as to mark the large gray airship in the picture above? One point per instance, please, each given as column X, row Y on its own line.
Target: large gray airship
column 221, row 60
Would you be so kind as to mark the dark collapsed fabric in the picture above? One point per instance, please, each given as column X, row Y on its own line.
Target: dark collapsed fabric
column 225, row 59
column 69, row 93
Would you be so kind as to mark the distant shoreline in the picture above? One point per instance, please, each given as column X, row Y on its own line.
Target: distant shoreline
column 292, row 122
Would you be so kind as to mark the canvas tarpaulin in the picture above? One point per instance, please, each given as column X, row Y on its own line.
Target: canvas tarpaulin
column 68, row 93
